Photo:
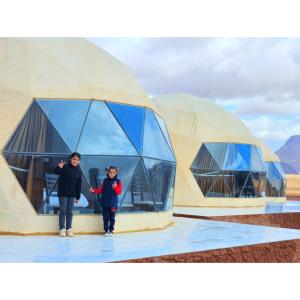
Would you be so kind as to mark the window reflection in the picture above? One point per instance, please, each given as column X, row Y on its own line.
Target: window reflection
column 105, row 134
column 275, row 180
column 230, row 170
column 139, row 196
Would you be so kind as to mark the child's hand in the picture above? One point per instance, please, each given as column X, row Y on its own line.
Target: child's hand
column 91, row 190
column 114, row 185
column 61, row 164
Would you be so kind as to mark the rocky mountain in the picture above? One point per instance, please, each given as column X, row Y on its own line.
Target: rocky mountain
column 289, row 155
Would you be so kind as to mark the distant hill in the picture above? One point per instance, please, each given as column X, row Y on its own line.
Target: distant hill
column 288, row 169
column 289, row 155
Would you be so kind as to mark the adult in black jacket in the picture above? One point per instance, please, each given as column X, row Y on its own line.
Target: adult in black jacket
column 69, row 190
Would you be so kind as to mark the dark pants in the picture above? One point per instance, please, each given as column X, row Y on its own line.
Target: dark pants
column 108, row 219
column 66, row 205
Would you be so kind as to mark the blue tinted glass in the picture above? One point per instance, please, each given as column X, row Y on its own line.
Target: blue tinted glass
column 35, row 134
column 161, row 176
column 257, row 163
column 67, row 116
column 233, row 159
column 245, row 152
column 102, row 134
column 93, row 168
column 217, row 151
column 279, row 168
column 139, row 196
column 154, row 144
column 163, row 127
column 273, row 172
column 131, row 119
column 275, row 181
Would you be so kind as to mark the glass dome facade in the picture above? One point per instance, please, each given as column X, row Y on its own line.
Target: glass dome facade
column 276, row 180
column 230, row 170
column 133, row 138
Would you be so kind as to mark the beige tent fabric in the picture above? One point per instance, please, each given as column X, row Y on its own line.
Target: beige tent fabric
column 192, row 121
column 58, row 68
column 70, row 68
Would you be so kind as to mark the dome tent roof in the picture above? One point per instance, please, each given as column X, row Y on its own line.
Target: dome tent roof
column 59, row 69
column 69, row 68
column 201, row 119
column 192, row 121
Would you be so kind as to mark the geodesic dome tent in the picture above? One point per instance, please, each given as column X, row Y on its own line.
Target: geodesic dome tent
column 63, row 95
column 219, row 162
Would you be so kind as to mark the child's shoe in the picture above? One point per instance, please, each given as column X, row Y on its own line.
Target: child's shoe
column 111, row 233
column 62, row 233
column 106, row 234
column 70, row 233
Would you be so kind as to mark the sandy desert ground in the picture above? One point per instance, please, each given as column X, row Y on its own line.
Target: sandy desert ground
column 293, row 185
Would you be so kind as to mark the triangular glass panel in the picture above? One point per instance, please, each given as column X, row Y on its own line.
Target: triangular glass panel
column 279, row 169
column 102, row 134
column 161, row 176
column 163, row 127
column 233, row 160
column 217, row 151
column 67, row 116
column 245, row 151
column 205, row 182
column 259, row 183
column 36, row 176
column 220, row 187
column 275, row 188
column 257, row 163
column 131, row 118
column 273, row 172
column 204, row 161
column 138, row 196
column 93, row 168
column 155, row 145
column 248, row 189
column 35, row 134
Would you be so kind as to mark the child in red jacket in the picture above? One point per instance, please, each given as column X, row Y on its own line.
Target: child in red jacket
column 110, row 188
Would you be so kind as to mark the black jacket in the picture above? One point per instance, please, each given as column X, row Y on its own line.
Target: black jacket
column 69, row 182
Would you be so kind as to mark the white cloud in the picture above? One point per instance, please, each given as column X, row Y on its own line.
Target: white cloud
column 274, row 131
column 257, row 79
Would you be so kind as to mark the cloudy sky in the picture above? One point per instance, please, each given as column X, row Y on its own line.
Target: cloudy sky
column 256, row 79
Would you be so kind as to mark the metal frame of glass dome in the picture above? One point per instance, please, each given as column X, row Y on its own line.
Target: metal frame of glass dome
column 105, row 133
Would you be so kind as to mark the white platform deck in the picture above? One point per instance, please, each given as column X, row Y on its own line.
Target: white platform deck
column 185, row 235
